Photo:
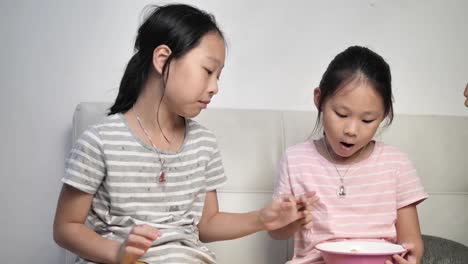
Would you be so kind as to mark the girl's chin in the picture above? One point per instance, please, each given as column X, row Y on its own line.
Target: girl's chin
column 190, row 113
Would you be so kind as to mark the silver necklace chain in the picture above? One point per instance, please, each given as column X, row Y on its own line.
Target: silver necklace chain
column 341, row 191
column 162, row 173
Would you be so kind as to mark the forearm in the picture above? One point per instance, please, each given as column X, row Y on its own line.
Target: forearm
column 285, row 232
column 226, row 226
column 418, row 243
column 408, row 230
column 86, row 243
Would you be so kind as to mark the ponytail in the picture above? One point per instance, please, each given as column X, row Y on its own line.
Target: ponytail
column 132, row 83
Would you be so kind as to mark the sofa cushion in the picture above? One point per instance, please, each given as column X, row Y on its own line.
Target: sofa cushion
column 443, row 251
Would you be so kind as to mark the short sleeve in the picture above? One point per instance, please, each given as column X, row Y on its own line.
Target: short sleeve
column 215, row 177
column 84, row 167
column 409, row 187
column 283, row 183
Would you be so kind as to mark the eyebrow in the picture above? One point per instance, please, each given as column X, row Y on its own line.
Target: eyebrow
column 365, row 113
column 215, row 60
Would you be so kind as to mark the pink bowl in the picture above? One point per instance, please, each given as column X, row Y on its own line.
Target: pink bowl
column 358, row 252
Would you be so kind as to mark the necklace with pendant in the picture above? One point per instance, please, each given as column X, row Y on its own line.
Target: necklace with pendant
column 162, row 175
column 341, row 190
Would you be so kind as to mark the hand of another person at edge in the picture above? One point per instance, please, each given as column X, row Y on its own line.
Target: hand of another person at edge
column 408, row 258
column 466, row 95
column 286, row 209
column 139, row 240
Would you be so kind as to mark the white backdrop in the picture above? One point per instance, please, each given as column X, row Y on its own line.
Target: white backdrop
column 57, row 53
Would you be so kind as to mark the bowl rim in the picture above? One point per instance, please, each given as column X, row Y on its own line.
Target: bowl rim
column 403, row 250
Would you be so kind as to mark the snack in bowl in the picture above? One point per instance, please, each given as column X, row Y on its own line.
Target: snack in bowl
column 355, row 249
column 358, row 252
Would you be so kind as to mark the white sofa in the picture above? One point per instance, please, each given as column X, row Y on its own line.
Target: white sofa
column 251, row 142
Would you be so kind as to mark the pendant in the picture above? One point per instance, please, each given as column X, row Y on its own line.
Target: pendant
column 162, row 176
column 341, row 192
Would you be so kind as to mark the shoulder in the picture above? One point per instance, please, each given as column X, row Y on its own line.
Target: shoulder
column 306, row 147
column 110, row 126
column 197, row 130
column 113, row 122
column 391, row 152
column 304, row 152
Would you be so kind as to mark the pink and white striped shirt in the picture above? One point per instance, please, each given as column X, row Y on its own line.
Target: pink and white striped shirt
column 375, row 189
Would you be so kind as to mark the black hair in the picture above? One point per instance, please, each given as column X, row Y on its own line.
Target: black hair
column 178, row 26
column 355, row 62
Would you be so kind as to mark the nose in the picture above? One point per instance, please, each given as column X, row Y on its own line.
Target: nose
column 213, row 87
column 351, row 128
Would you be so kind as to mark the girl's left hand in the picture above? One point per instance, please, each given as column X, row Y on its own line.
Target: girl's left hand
column 410, row 257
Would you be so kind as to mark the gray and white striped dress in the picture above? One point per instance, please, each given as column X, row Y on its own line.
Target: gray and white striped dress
column 121, row 171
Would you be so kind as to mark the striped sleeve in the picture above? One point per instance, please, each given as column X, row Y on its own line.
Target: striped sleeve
column 84, row 167
column 215, row 177
column 283, row 184
column 409, row 187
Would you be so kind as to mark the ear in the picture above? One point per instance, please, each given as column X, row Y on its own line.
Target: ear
column 317, row 98
column 160, row 55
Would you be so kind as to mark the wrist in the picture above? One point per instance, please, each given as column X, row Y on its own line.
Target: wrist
column 259, row 222
column 114, row 252
column 294, row 227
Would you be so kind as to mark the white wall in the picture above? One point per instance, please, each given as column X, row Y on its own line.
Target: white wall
column 56, row 53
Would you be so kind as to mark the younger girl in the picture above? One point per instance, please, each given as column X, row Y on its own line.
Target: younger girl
column 145, row 177
column 368, row 190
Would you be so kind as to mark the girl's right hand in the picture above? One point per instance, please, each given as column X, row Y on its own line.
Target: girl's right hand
column 139, row 240
column 305, row 203
column 286, row 209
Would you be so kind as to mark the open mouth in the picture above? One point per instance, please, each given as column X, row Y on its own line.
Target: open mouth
column 347, row 145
